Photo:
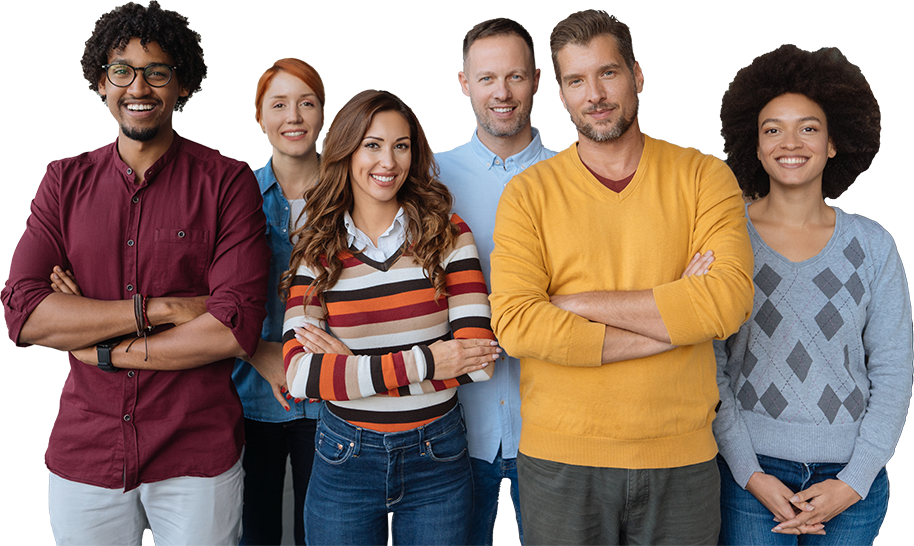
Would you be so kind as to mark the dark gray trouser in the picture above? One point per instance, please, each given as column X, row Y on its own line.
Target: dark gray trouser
column 568, row 504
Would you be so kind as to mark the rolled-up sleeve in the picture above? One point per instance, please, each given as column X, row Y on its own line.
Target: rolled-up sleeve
column 39, row 250
column 712, row 306
column 238, row 275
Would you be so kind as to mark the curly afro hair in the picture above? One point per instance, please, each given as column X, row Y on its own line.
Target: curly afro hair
column 169, row 29
column 827, row 78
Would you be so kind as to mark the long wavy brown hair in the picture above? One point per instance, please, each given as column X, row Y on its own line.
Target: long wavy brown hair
column 426, row 201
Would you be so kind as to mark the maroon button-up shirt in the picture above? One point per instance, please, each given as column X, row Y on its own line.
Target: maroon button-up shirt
column 193, row 227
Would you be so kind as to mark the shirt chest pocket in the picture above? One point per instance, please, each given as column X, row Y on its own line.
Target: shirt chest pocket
column 181, row 256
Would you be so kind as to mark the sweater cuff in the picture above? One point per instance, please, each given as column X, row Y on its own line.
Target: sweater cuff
column 743, row 467
column 861, row 470
column 426, row 354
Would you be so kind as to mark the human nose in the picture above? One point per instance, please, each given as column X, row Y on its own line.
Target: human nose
column 294, row 115
column 387, row 158
column 791, row 141
column 595, row 92
column 139, row 86
column 502, row 92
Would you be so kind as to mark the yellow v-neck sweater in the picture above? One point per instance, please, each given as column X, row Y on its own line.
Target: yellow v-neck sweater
column 559, row 231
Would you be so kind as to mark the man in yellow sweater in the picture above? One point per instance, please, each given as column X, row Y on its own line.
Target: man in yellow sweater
column 591, row 290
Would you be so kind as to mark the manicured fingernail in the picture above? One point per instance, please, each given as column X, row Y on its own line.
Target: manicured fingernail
column 282, row 389
column 297, row 400
column 287, row 408
column 794, row 499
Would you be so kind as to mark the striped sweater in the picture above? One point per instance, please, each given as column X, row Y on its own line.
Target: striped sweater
column 387, row 314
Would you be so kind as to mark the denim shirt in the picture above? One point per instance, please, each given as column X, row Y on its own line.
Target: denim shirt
column 476, row 177
column 256, row 394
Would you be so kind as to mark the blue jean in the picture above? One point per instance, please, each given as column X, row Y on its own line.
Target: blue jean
column 745, row 520
column 422, row 476
column 267, row 446
column 486, row 486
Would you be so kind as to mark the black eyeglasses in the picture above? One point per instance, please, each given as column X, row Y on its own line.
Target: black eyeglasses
column 155, row 74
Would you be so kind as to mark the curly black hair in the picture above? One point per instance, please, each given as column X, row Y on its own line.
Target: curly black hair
column 827, row 78
column 169, row 29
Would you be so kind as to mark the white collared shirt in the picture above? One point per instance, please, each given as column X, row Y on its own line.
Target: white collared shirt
column 388, row 243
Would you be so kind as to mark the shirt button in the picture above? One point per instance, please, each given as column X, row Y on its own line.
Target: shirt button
column 136, row 199
column 502, row 402
column 181, row 234
column 130, row 242
column 129, row 170
column 283, row 230
column 127, row 417
column 131, row 373
column 129, row 288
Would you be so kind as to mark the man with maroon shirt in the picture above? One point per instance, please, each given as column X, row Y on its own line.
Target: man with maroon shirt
column 165, row 237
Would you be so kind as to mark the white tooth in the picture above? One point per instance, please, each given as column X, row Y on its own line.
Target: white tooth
column 384, row 178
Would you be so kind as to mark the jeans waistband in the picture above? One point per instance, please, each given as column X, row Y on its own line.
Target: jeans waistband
column 393, row 440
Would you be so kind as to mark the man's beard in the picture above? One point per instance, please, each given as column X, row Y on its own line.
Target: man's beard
column 495, row 129
column 619, row 128
column 140, row 134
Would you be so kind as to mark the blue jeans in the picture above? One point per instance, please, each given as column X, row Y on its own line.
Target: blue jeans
column 421, row 475
column 486, row 485
column 267, row 446
column 745, row 520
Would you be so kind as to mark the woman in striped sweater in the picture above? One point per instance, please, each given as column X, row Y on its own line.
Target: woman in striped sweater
column 393, row 277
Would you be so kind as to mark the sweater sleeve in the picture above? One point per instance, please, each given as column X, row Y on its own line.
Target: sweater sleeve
column 887, row 342
column 702, row 307
column 526, row 323
column 730, row 430
column 341, row 377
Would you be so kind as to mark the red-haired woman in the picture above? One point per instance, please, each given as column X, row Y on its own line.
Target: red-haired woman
column 290, row 110
column 393, row 276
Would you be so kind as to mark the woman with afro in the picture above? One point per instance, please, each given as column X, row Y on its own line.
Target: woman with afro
column 815, row 386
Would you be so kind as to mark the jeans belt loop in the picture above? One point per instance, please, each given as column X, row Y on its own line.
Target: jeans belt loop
column 357, row 442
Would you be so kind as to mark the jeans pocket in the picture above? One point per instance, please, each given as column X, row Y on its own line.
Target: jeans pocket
column 447, row 447
column 331, row 447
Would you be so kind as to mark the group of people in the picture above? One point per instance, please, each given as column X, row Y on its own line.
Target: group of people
column 688, row 351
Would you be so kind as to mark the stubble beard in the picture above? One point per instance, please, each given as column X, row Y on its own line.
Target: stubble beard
column 619, row 128
column 491, row 126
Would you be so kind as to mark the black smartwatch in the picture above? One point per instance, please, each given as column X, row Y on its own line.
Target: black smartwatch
column 104, row 355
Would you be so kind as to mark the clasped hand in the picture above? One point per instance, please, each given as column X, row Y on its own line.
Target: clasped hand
column 805, row 512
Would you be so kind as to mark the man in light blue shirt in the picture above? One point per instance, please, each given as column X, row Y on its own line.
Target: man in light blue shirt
column 500, row 77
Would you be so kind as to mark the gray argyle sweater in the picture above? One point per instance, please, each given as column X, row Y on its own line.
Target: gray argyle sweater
column 822, row 370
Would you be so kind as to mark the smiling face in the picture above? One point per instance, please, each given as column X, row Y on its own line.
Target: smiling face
column 598, row 90
column 291, row 115
column 793, row 143
column 143, row 112
column 500, row 79
column 380, row 165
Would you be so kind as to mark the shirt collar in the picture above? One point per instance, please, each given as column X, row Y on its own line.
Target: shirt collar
column 156, row 167
column 356, row 238
column 266, row 179
column 525, row 157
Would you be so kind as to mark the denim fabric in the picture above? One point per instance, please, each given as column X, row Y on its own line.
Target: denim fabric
column 422, row 476
column 256, row 394
column 745, row 520
column 268, row 447
column 487, row 479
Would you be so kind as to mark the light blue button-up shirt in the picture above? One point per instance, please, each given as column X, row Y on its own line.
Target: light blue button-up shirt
column 476, row 177
column 256, row 394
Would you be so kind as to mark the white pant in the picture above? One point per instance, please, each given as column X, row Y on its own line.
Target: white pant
column 179, row 511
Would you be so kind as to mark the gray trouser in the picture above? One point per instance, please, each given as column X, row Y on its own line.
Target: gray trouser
column 568, row 504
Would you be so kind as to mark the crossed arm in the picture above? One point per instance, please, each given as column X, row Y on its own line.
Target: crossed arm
column 634, row 327
column 197, row 338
